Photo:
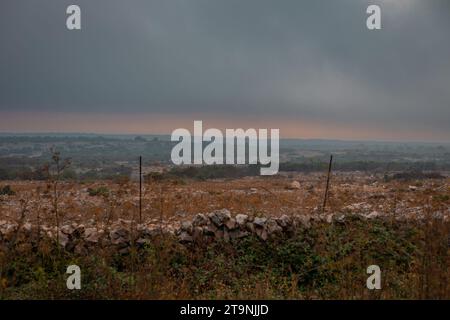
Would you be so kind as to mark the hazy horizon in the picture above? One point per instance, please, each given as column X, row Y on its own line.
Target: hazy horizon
column 167, row 135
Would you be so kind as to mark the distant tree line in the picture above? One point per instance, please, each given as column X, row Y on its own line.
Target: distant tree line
column 24, row 172
column 369, row 166
column 27, row 173
column 209, row 172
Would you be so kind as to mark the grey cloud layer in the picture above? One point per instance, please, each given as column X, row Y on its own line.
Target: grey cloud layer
column 291, row 58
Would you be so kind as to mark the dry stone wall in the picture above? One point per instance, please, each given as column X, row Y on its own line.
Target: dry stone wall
column 218, row 225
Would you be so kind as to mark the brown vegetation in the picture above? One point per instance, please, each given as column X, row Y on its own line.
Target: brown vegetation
column 407, row 236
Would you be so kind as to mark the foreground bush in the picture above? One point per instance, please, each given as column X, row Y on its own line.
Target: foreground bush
column 324, row 261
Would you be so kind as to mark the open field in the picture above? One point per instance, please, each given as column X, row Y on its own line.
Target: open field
column 177, row 200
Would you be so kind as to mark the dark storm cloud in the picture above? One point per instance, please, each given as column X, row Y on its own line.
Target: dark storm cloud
column 295, row 59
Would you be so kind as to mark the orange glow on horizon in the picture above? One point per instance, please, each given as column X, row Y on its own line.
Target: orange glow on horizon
column 29, row 122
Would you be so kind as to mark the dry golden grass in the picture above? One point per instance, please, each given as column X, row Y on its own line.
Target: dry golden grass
column 173, row 201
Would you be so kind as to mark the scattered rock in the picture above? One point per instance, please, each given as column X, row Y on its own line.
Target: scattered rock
column 149, row 232
column 67, row 229
column 185, row 237
column 78, row 231
column 142, row 242
column 361, row 206
column 250, row 227
column 219, row 217
column 284, row 221
column 210, row 230
column 262, row 234
column 27, row 227
column 259, row 222
column 119, row 236
column 91, row 235
column 231, row 224
column 186, row 226
column 197, row 233
column 200, row 220
column 63, row 239
column 241, row 219
column 238, row 234
column 303, row 220
column 294, row 185
column 273, row 228
column 218, row 234
column 373, row 215
column 226, row 236
column 339, row 218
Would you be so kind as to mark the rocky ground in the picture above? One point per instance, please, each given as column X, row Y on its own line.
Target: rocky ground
column 204, row 211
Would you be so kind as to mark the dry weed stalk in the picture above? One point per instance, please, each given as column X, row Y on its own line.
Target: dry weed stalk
column 24, row 210
column 53, row 172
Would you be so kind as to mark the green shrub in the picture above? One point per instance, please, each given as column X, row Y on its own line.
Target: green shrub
column 7, row 191
column 326, row 261
column 100, row 191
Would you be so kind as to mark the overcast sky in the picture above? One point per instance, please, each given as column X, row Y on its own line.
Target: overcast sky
column 310, row 68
